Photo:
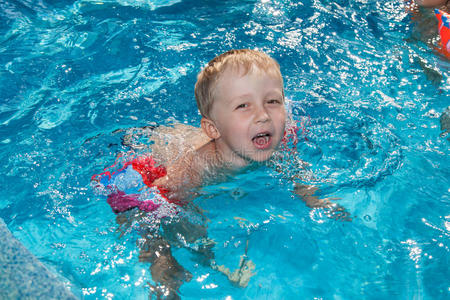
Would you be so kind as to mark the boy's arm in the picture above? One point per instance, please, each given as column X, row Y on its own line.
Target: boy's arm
column 306, row 192
column 333, row 210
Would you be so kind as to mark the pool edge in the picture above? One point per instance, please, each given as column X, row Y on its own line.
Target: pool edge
column 22, row 275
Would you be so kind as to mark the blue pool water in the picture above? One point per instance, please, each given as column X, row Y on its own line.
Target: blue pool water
column 367, row 89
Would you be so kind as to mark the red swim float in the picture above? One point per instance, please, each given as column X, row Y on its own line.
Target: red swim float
column 444, row 31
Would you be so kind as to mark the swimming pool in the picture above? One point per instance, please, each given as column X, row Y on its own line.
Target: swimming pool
column 369, row 95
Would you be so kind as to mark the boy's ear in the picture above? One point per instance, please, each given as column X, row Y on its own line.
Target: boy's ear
column 210, row 128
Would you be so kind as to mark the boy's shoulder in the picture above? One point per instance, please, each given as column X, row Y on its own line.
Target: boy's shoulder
column 179, row 148
column 181, row 134
column 175, row 141
column 165, row 143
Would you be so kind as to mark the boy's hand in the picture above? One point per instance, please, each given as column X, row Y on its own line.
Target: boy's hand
column 332, row 210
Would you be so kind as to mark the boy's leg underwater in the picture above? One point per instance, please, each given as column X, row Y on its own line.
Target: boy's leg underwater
column 166, row 272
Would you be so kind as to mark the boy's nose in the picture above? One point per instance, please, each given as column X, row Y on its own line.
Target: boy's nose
column 261, row 115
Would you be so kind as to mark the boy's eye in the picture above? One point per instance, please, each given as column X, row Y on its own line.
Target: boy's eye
column 243, row 105
column 274, row 101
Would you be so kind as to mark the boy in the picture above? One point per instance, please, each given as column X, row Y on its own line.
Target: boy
column 240, row 97
column 241, row 100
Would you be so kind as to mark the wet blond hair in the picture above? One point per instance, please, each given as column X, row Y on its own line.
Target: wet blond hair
column 242, row 60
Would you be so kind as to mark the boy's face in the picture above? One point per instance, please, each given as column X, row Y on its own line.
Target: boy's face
column 249, row 115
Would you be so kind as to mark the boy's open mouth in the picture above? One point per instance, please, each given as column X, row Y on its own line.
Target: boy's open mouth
column 262, row 140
